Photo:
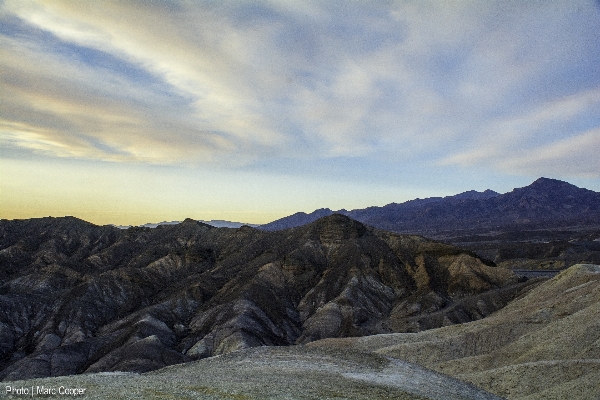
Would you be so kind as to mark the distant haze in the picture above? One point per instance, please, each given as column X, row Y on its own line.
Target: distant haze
column 131, row 112
column 215, row 223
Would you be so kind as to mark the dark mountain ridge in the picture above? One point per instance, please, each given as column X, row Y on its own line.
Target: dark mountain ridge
column 76, row 297
column 549, row 224
column 544, row 201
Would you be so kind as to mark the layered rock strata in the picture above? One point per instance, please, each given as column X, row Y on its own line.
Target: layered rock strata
column 75, row 297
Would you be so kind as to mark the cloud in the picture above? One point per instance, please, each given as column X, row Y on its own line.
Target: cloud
column 571, row 157
column 217, row 109
column 70, row 111
column 544, row 138
column 464, row 83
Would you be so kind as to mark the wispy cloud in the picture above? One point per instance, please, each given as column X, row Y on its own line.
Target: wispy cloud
column 571, row 157
column 555, row 136
column 461, row 83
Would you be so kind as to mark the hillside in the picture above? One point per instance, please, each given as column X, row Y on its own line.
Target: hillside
column 294, row 372
column 543, row 345
column 75, row 297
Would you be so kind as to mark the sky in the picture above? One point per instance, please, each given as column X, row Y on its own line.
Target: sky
column 128, row 112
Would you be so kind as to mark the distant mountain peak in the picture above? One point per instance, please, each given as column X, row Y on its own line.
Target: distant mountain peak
column 189, row 221
column 549, row 182
column 215, row 223
column 297, row 219
column 550, row 187
column 490, row 193
column 475, row 195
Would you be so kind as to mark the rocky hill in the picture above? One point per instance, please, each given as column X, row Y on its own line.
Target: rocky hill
column 75, row 297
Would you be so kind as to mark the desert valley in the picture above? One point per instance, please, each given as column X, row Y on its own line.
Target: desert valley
column 332, row 308
column 359, row 199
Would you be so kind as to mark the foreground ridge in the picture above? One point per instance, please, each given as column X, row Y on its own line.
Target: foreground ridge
column 294, row 372
column 543, row 345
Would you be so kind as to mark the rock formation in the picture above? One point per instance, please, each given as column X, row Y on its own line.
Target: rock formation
column 75, row 297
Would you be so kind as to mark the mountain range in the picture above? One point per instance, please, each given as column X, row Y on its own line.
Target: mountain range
column 549, row 224
column 546, row 202
column 76, row 297
column 333, row 308
column 217, row 223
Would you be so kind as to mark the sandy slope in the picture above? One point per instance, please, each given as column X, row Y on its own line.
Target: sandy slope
column 295, row 372
column 544, row 345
